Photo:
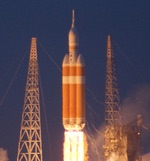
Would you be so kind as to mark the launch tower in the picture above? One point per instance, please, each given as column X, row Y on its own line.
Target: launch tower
column 30, row 141
column 114, row 141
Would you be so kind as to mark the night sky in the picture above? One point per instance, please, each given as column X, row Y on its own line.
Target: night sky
column 127, row 21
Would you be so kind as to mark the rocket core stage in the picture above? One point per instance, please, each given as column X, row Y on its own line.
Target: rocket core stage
column 73, row 84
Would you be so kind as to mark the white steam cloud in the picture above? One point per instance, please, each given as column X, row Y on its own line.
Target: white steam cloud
column 137, row 103
column 96, row 142
column 3, row 155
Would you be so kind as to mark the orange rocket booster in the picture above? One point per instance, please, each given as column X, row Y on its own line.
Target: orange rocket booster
column 73, row 85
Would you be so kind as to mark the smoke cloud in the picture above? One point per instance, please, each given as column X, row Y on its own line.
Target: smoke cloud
column 3, row 155
column 136, row 103
column 96, row 142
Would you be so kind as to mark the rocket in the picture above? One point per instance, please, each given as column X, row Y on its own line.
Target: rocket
column 73, row 84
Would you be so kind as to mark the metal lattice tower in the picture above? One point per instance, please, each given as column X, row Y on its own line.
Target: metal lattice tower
column 30, row 142
column 113, row 116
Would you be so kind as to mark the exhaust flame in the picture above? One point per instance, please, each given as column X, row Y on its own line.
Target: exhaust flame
column 74, row 146
column 113, row 157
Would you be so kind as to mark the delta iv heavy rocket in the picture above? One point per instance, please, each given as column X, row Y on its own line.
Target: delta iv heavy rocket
column 73, row 84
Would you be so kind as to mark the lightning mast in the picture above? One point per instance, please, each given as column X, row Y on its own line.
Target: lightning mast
column 114, row 143
column 30, row 141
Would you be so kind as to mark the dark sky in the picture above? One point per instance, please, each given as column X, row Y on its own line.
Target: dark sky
column 127, row 21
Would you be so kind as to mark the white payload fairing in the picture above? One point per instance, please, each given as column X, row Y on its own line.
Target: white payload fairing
column 73, row 84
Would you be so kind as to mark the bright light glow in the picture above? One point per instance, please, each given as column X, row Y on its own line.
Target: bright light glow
column 113, row 157
column 74, row 146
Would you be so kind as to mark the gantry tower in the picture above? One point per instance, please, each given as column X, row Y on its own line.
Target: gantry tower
column 30, row 141
column 114, row 142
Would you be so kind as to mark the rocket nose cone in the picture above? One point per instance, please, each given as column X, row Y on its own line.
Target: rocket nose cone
column 66, row 59
column 73, row 36
column 80, row 60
